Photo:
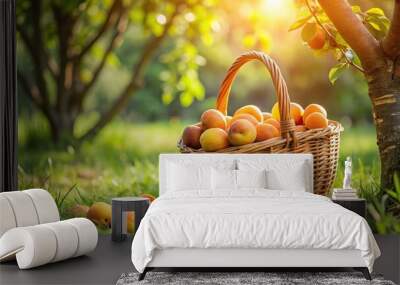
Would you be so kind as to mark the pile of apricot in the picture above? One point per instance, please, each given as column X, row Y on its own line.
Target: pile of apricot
column 248, row 124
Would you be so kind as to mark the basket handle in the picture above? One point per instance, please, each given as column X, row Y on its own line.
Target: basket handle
column 287, row 123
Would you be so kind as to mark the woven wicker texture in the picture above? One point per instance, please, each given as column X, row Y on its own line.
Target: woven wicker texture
column 322, row 143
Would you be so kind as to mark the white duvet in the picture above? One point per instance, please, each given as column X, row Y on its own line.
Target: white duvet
column 250, row 218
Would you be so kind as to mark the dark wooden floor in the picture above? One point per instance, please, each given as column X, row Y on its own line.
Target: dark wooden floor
column 103, row 266
column 110, row 259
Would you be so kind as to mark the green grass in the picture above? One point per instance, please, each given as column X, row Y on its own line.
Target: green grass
column 360, row 144
column 123, row 159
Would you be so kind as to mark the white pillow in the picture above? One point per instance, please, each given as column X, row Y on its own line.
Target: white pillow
column 251, row 178
column 292, row 179
column 188, row 177
column 223, row 179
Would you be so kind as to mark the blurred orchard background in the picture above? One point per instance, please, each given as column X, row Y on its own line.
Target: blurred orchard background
column 125, row 77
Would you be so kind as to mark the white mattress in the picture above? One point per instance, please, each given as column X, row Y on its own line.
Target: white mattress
column 259, row 219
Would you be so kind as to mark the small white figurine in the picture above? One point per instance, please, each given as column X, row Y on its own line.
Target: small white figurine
column 347, row 173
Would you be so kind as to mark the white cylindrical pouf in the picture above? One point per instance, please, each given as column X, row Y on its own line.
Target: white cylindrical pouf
column 34, row 246
column 45, row 205
column 23, row 208
column 7, row 218
column 67, row 239
column 87, row 234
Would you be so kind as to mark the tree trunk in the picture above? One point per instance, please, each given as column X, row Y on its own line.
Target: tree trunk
column 62, row 129
column 384, row 91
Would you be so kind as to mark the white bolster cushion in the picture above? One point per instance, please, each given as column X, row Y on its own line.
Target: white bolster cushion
column 37, row 245
column 7, row 218
column 45, row 205
column 23, row 208
column 26, row 208
column 87, row 235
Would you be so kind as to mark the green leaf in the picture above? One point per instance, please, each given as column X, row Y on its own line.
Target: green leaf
column 374, row 25
column 378, row 23
column 356, row 9
column 375, row 11
column 186, row 99
column 299, row 23
column 167, row 98
column 335, row 72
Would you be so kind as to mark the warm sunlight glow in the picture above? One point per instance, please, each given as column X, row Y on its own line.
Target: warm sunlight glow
column 277, row 8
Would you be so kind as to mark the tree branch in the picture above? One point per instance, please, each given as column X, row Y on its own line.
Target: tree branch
column 342, row 51
column 111, row 19
column 50, row 64
column 65, row 23
column 37, row 52
column 115, row 39
column 354, row 33
column 136, row 79
column 391, row 43
column 32, row 92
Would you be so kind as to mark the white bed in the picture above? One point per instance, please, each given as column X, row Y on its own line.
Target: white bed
column 218, row 224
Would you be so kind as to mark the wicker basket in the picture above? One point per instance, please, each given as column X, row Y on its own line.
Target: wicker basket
column 322, row 143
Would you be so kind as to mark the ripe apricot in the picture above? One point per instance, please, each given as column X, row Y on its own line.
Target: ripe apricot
column 266, row 115
column 247, row 117
column 314, row 108
column 251, row 110
column 318, row 40
column 275, row 112
column 316, row 120
column 266, row 132
column 242, row 132
column 214, row 139
column 228, row 121
column 149, row 196
column 191, row 136
column 296, row 112
column 213, row 118
column 314, row 35
column 273, row 122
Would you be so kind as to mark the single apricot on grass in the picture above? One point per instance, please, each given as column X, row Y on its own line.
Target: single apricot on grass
column 316, row 120
column 242, row 132
column 247, row 117
column 148, row 196
column 312, row 108
column 100, row 214
column 273, row 122
column 266, row 132
column 79, row 210
column 191, row 136
column 213, row 118
column 251, row 110
column 214, row 139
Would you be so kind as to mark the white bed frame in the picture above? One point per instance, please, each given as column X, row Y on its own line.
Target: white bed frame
column 250, row 258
